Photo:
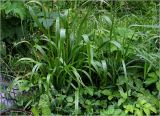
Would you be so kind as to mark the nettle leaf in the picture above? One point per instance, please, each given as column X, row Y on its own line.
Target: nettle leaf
column 152, row 78
column 118, row 112
column 35, row 111
column 139, row 84
column 122, row 93
column 17, row 8
column 5, row 5
column 146, row 111
column 152, row 74
column 150, row 107
column 120, row 101
column 88, row 102
column 110, row 111
column 153, row 109
column 138, row 112
column 129, row 108
column 24, row 85
column 142, row 102
column 20, row 13
column 121, row 80
column 90, row 90
column 97, row 103
column 44, row 105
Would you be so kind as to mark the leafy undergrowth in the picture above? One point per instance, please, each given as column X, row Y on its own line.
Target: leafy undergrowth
column 84, row 58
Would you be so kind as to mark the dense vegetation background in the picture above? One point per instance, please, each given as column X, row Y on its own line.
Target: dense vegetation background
column 81, row 57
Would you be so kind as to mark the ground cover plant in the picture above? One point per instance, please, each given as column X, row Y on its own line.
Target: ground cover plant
column 81, row 57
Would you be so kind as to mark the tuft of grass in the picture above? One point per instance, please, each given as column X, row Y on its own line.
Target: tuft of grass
column 81, row 59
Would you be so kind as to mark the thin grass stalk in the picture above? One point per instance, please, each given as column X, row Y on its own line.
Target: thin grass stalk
column 126, row 77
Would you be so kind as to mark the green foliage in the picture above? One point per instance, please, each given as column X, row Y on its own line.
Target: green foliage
column 89, row 61
column 140, row 108
column 112, row 111
column 44, row 104
column 14, row 8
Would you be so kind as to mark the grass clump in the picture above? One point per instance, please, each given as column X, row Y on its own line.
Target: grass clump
column 87, row 60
